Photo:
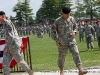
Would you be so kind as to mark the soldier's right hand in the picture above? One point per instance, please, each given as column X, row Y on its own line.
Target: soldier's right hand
column 54, row 26
column 5, row 49
column 58, row 43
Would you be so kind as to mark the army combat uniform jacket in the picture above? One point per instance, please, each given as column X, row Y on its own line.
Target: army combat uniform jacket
column 11, row 36
column 63, row 29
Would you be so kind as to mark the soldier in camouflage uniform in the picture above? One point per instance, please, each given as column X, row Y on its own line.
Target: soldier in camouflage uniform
column 12, row 48
column 93, row 23
column 63, row 32
column 81, row 32
column 40, row 32
column 89, row 31
column 98, row 33
column 2, row 33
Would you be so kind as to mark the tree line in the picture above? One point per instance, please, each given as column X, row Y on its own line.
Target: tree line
column 51, row 9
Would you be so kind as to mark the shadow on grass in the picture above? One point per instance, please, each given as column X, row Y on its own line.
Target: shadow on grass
column 90, row 50
column 84, row 51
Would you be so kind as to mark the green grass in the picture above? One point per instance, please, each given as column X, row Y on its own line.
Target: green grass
column 45, row 54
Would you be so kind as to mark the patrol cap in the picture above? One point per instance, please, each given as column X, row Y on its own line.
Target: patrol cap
column 2, row 13
column 66, row 10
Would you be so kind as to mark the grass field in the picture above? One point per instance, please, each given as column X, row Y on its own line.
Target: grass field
column 45, row 54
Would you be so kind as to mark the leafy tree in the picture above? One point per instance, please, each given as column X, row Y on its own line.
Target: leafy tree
column 87, row 8
column 90, row 6
column 19, row 15
column 27, row 11
column 23, row 12
column 97, row 8
column 31, row 20
column 79, row 9
column 51, row 9
column 13, row 19
column 63, row 3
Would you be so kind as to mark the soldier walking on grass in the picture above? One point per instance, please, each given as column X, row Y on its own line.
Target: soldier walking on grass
column 81, row 32
column 12, row 48
column 98, row 33
column 89, row 31
column 63, row 32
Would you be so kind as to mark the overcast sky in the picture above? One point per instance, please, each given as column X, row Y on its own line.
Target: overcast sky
column 7, row 5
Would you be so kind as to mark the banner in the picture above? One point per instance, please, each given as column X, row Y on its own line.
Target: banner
column 24, row 41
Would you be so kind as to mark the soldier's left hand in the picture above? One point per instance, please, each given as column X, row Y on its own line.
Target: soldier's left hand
column 5, row 49
column 73, row 35
column 22, row 45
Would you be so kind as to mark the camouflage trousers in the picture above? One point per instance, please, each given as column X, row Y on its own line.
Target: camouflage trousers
column 98, row 40
column 63, row 51
column 81, row 37
column 89, row 41
column 16, row 54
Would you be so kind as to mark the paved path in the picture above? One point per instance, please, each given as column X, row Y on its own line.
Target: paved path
column 91, row 71
column 67, row 72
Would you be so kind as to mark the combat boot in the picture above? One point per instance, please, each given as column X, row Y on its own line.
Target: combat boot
column 62, row 73
column 31, row 73
column 82, row 72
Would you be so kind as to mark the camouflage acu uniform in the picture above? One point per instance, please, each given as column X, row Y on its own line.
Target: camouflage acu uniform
column 94, row 26
column 13, row 49
column 81, row 33
column 62, row 32
column 89, row 30
column 40, row 32
column 98, row 35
